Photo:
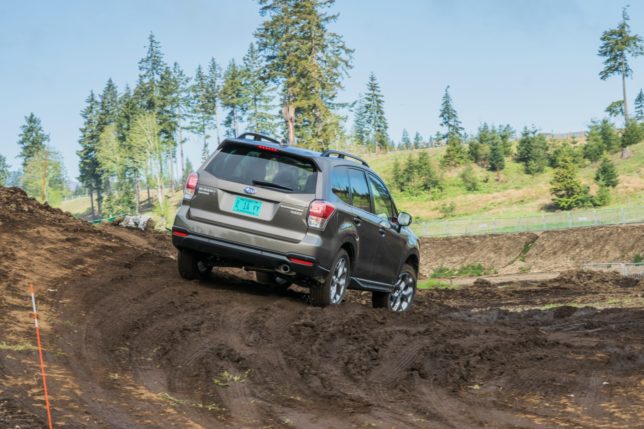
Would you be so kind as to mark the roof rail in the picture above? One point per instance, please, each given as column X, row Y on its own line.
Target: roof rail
column 259, row 137
column 327, row 153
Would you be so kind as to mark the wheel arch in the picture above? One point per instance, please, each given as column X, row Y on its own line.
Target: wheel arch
column 414, row 260
column 349, row 246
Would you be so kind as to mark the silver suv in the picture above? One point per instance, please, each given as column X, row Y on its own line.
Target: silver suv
column 325, row 221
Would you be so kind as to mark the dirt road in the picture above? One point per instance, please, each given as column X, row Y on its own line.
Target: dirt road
column 130, row 345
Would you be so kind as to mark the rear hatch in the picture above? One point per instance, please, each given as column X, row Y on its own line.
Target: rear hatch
column 256, row 189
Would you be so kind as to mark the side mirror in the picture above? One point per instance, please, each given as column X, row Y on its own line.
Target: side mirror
column 404, row 219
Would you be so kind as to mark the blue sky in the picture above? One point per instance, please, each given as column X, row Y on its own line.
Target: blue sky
column 521, row 62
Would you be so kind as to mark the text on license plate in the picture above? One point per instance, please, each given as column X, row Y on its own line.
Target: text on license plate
column 247, row 206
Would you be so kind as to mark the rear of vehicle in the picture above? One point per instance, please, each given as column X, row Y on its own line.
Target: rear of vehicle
column 254, row 205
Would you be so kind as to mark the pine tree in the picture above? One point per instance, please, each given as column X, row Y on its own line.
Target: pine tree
column 639, row 106
column 566, row 189
column 455, row 154
column 151, row 67
column 108, row 106
column 396, row 175
column 32, row 138
column 615, row 109
column 233, row 98
column 167, row 109
column 258, row 94
column 631, row 135
column 418, row 140
column 183, row 109
column 496, row 161
column 4, row 171
column 479, row 147
column 374, row 110
column 506, row 133
column 129, row 177
column 532, row 151
column 609, row 136
column 213, row 89
column 202, row 117
column 606, row 174
column 428, row 179
column 307, row 61
column 405, row 141
column 618, row 44
column 90, row 174
column 449, row 117
column 594, row 147
column 360, row 130
column 562, row 151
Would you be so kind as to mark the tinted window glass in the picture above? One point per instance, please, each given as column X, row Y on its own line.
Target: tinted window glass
column 382, row 204
column 340, row 184
column 251, row 165
column 359, row 190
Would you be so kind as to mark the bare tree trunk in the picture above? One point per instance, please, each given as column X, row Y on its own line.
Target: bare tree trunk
column 235, row 122
column 289, row 116
column 99, row 201
column 181, row 153
column 137, row 189
column 161, row 191
column 172, row 183
column 625, row 98
column 217, row 127
column 160, row 184
column 91, row 202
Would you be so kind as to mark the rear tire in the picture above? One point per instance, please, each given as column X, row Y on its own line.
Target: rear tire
column 332, row 291
column 192, row 265
column 402, row 298
column 273, row 280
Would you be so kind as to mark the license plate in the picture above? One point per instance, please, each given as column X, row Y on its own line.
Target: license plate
column 247, row 206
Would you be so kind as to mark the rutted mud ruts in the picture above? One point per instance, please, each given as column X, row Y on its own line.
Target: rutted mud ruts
column 131, row 345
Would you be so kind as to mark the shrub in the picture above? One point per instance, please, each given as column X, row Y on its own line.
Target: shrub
column 606, row 174
column 470, row 181
column 447, row 209
column 567, row 191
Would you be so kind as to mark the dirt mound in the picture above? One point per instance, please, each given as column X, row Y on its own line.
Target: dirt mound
column 131, row 345
column 534, row 252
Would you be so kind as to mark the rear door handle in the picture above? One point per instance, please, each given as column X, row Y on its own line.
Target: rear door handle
column 382, row 231
column 357, row 221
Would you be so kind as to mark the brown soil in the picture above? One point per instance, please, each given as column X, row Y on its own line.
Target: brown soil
column 131, row 345
column 550, row 251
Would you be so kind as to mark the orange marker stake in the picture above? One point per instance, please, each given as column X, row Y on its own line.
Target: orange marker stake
column 42, row 362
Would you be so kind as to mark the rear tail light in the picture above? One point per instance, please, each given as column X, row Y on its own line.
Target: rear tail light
column 301, row 261
column 319, row 214
column 191, row 185
column 268, row 148
column 179, row 233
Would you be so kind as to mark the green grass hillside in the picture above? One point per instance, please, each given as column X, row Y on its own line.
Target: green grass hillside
column 510, row 193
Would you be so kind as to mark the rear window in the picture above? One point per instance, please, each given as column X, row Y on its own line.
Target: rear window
column 253, row 166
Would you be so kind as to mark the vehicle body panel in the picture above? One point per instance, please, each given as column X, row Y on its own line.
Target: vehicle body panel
column 276, row 234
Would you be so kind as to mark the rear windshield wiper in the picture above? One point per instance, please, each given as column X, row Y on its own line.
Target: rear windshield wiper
column 270, row 185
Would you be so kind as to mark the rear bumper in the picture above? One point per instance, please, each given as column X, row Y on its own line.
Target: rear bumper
column 235, row 254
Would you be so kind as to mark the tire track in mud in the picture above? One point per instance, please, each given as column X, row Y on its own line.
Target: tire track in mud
column 134, row 346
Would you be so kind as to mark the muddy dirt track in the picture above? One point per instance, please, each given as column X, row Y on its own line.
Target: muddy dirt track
column 130, row 345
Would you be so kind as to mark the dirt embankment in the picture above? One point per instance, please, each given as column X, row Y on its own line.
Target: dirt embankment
column 549, row 251
column 131, row 345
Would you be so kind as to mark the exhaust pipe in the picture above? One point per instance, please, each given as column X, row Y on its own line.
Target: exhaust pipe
column 284, row 269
